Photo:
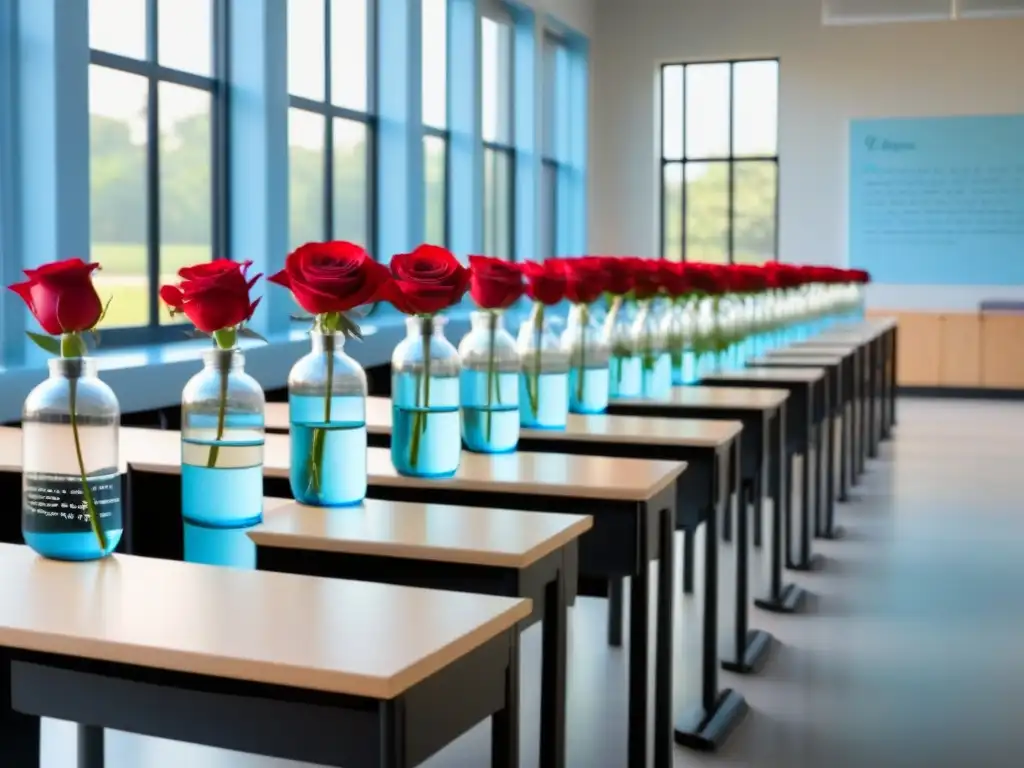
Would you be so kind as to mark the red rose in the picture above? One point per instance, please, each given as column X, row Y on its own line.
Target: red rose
column 675, row 278
column 494, row 283
column 332, row 277
column 621, row 274
column 709, row 278
column 646, row 278
column 861, row 276
column 214, row 295
column 746, row 278
column 545, row 282
column 585, row 279
column 427, row 280
column 61, row 296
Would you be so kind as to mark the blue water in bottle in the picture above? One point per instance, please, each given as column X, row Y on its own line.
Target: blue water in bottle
column 426, row 438
column 591, row 394
column 625, row 378
column 339, row 478
column 489, row 424
column 550, row 409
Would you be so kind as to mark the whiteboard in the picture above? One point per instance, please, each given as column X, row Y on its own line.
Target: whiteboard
column 938, row 201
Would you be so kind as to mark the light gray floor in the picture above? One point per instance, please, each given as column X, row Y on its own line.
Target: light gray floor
column 912, row 653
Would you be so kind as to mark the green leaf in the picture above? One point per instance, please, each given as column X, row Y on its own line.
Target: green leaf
column 349, row 328
column 249, row 333
column 103, row 314
column 46, row 343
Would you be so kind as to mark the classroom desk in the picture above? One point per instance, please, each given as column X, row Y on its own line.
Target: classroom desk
column 265, row 663
column 632, row 503
column 465, row 549
column 808, row 410
column 706, row 447
column 834, row 367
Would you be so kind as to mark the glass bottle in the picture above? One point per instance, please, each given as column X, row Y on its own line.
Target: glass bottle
column 675, row 328
column 222, row 443
column 489, row 385
column 327, row 415
column 652, row 349
column 69, row 430
column 544, row 381
column 704, row 338
column 588, row 360
column 624, row 365
column 425, row 439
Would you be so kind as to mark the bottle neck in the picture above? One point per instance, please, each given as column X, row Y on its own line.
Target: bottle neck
column 71, row 367
column 327, row 343
column 223, row 360
column 579, row 315
column 419, row 325
column 490, row 320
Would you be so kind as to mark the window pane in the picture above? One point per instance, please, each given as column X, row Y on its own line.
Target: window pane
column 118, row 26
column 496, row 80
column 306, row 57
column 349, row 35
column 497, row 204
column 707, row 110
column 707, row 212
column 755, row 108
column 185, row 29
column 754, row 201
column 548, row 214
column 305, row 177
column 548, row 106
column 186, row 206
column 672, row 113
column 672, row 211
column 117, row 188
column 434, row 193
column 351, row 192
column 435, row 64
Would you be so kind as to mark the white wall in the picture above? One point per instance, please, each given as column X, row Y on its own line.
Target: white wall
column 828, row 75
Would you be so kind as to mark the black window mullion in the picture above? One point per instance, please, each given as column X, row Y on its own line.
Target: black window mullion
column 220, row 115
column 731, row 214
column 328, row 129
column 683, row 234
column 152, row 168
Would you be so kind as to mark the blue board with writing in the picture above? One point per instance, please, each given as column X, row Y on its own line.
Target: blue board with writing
column 938, row 201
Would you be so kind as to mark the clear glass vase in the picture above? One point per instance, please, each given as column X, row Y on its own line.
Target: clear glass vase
column 70, row 463
column 425, row 432
column 222, row 444
column 489, row 385
column 544, row 381
column 652, row 349
column 677, row 328
column 625, row 370
column 588, row 361
column 327, row 415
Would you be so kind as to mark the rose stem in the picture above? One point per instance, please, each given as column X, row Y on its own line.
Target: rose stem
column 490, row 375
column 71, row 346
column 419, row 422
column 538, row 327
column 225, row 340
column 584, row 317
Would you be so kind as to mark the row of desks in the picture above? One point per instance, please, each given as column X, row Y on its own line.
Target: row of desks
column 635, row 506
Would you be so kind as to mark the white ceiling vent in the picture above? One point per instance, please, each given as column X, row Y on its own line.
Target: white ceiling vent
column 886, row 11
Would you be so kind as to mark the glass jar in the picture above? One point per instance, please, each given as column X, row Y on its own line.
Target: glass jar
column 327, row 419
column 704, row 343
column 222, row 444
column 652, row 349
column 624, row 365
column 544, row 381
column 70, row 463
column 677, row 329
column 588, row 361
column 425, row 439
column 489, row 385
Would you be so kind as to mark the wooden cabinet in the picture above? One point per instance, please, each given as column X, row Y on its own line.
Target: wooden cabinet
column 1002, row 351
column 960, row 355
column 920, row 343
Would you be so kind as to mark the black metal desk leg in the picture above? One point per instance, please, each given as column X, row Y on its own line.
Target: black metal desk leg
column 19, row 733
column 552, row 683
column 615, row 595
column 807, row 561
column 90, row 746
column 826, row 508
column 894, row 379
column 688, row 560
column 752, row 646
column 663, row 648
column 639, row 639
column 505, row 722
column 782, row 598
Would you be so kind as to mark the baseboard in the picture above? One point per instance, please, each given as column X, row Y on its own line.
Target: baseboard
column 968, row 393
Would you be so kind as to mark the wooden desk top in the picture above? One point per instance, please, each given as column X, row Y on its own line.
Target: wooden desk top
column 600, row 428
column 349, row 637
column 469, row 535
column 785, row 359
column 549, row 474
column 733, row 398
column 801, row 375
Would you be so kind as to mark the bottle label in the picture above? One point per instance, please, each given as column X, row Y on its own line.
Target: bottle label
column 56, row 503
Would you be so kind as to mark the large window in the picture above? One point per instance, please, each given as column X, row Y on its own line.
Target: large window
column 435, row 120
column 331, row 121
column 157, row 150
column 499, row 154
column 719, row 161
column 550, row 162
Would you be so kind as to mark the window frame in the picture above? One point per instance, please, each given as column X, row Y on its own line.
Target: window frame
column 499, row 13
column 550, row 162
column 217, row 85
column 730, row 159
column 330, row 112
column 436, row 132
